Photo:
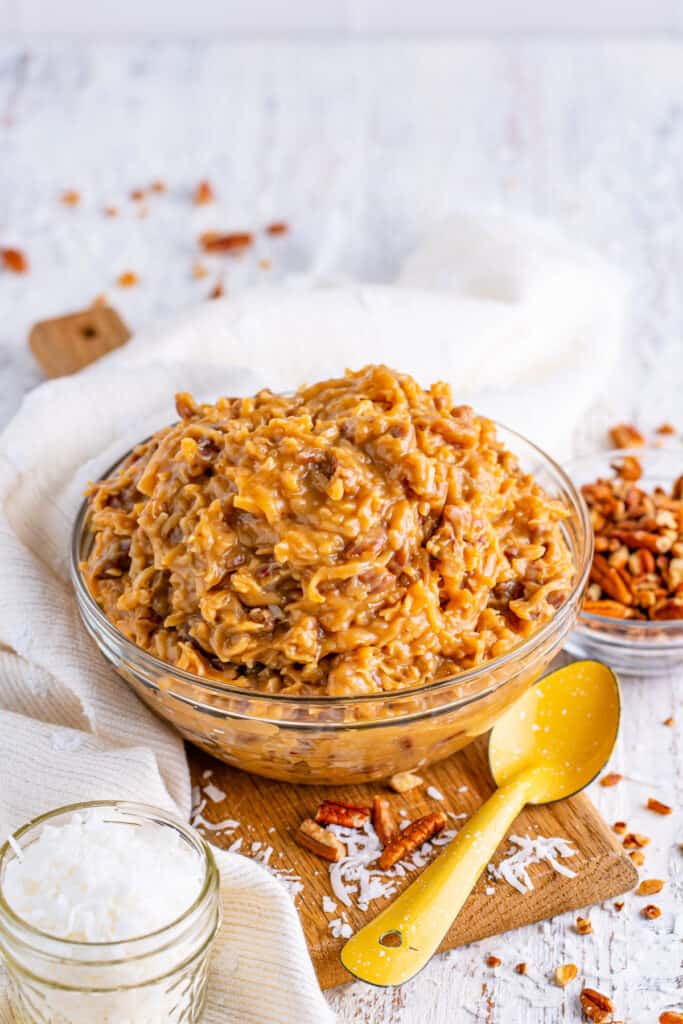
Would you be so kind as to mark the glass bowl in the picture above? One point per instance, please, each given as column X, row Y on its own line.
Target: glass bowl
column 157, row 978
column 629, row 646
column 329, row 740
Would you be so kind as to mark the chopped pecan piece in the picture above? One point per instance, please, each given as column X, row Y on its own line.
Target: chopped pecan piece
column 610, row 580
column 619, row 827
column 638, row 857
column 565, row 974
column 583, row 926
column 657, row 806
column 629, row 468
column 319, row 841
column 402, row 782
column 665, row 428
column 611, row 779
column 671, row 1017
column 596, row 1006
column 657, row 543
column 158, row 186
column 649, row 887
column 493, row 961
column 411, row 838
column 203, row 193
column 625, row 435
column 635, row 841
column 619, row 905
column 14, row 260
column 127, row 279
column 611, row 609
column 348, row 815
column 278, row 227
column 668, row 610
column 651, row 912
column 231, row 242
column 383, row 820
column 668, row 721
column 70, row 197
column 521, row 968
column 218, row 291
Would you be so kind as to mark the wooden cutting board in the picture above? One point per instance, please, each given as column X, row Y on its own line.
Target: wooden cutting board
column 270, row 813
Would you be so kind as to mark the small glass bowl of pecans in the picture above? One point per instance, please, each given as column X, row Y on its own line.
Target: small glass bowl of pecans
column 632, row 613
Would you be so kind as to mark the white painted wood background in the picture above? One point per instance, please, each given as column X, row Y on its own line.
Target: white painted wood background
column 205, row 18
column 360, row 147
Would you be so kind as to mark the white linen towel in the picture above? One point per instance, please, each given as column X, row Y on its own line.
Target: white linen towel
column 521, row 322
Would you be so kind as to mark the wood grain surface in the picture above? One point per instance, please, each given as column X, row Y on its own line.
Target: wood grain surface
column 66, row 344
column 270, row 812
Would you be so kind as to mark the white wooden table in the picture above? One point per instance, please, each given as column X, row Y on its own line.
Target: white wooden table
column 359, row 148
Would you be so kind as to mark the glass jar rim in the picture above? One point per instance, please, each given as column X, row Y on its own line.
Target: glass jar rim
column 121, row 950
column 584, row 554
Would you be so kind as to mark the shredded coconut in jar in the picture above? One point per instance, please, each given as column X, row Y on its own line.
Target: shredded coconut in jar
column 88, row 881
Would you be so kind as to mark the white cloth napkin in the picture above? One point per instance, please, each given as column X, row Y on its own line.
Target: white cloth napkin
column 519, row 320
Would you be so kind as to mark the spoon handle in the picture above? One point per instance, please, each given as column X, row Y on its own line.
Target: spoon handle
column 401, row 939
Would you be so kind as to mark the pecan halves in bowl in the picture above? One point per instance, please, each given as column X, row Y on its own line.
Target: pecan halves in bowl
column 637, row 570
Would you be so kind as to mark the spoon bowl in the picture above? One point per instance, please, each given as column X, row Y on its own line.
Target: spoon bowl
column 548, row 746
column 564, row 728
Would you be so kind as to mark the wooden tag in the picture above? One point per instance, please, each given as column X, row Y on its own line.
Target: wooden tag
column 68, row 343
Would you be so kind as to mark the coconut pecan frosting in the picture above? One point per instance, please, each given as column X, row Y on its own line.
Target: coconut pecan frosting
column 362, row 535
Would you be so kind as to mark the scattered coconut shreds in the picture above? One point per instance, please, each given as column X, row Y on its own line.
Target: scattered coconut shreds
column 214, row 794
column 490, row 890
column 434, row 793
column 353, row 878
column 329, row 906
column 262, row 855
column 513, row 868
column 340, row 928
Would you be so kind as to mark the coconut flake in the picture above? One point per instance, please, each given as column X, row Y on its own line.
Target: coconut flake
column 514, row 868
column 329, row 906
column 214, row 794
column 227, row 825
column 15, row 846
column 434, row 793
column 340, row 929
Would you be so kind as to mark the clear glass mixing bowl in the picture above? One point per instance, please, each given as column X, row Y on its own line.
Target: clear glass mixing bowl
column 329, row 740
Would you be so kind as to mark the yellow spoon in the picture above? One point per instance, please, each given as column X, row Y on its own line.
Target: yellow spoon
column 549, row 745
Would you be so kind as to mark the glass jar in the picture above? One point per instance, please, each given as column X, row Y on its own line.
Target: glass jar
column 158, row 978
